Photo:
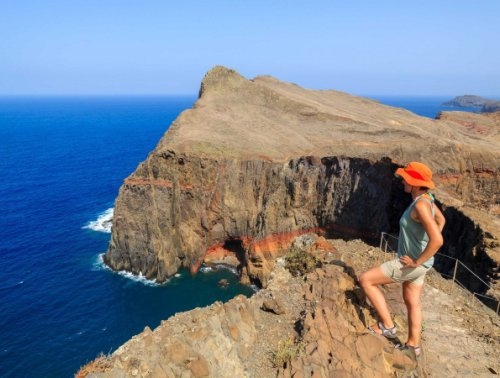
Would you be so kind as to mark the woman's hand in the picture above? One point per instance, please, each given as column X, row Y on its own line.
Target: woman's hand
column 407, row 262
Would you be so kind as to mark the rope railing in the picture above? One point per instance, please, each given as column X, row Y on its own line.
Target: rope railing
column 388, row 244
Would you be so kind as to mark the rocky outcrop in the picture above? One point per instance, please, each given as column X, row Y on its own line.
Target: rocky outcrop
column 257, row 162
column 471, row 101
column 467, row 101
column 313, row 326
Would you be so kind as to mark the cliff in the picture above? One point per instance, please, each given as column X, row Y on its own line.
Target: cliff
column 257, row 162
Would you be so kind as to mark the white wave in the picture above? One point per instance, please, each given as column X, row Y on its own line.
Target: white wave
column 99, row 265
column 213, row 268
column 103, row 222
column 206, row 269
column 139, row 278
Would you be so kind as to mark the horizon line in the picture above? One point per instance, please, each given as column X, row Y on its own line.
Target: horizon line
column 451, row 96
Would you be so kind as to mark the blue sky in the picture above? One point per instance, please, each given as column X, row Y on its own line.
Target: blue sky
column 398, row 47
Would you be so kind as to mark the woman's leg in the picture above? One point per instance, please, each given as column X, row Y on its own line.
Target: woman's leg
column 411, row 296
column 369, row 281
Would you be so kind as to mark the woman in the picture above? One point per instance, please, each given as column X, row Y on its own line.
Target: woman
column 419, row 240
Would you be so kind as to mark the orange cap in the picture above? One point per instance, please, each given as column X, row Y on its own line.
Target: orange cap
column 416, row 174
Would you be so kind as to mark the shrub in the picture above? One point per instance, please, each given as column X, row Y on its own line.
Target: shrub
column 287, row 350
column 299, row 261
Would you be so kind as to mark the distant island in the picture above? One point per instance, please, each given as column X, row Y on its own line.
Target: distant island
column 467, row 101
column 471, row 101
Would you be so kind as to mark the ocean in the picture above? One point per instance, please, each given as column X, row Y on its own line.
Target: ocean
column 62, row 161
column 426, row 106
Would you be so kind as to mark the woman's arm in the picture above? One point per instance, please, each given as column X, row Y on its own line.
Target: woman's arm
column 439, row 218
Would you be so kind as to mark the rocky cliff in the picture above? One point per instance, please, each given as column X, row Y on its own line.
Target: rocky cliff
column 257, row 162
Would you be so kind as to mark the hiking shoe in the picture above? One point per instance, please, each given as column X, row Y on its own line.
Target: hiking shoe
column 416, row 349
column 390, row 333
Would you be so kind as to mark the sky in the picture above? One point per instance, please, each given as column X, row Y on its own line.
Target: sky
column 162, row 47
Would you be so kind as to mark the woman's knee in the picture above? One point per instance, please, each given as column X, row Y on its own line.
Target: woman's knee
column 363, row 279
column 373, row 277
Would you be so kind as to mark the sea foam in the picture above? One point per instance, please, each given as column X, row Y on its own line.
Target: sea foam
column 213, row 268
column 103, row 222
column 99, row 265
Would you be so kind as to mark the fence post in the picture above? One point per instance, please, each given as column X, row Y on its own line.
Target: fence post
column 454, row 276
column 383, row 242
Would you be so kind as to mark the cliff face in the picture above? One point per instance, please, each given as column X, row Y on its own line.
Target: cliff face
column 201, row 209
column 256, row 163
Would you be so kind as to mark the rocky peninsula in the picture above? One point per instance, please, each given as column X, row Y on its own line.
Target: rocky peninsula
column 257, row 164
column 485, row 105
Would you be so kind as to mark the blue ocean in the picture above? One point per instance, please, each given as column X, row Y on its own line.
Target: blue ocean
column 62, row 161
column 426, row 106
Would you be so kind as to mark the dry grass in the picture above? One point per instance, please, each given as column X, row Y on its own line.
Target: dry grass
column 99, row 365
column 287, row 350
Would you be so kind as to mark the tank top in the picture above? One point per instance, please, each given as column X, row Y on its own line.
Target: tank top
column 412, row 237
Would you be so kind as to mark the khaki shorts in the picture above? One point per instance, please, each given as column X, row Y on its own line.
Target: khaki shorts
column 394, row 270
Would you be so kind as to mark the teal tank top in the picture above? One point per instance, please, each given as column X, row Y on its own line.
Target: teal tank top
column 412, row 237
